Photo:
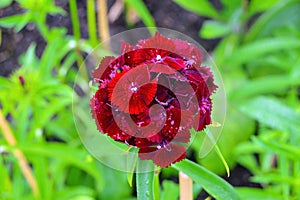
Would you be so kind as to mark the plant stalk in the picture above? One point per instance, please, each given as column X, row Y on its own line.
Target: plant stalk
column 23, row 163
column 145, row 180
column 103, row 27
column 186, row 187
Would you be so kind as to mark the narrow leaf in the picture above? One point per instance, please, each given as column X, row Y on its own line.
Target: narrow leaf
column 272, row 84
column 260, row 48
column 257, row 194
column 170, row 190
column 5, row 3
column 218, row 151
column 282, row 149
column 273, row 113
column 281, row 14
column 201, row 7
column 132, row 158
column 140, row 7
column 214, row 29
column 11, row 21
column 213, row 184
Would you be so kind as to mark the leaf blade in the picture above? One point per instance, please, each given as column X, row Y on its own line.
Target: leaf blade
column 213, row 184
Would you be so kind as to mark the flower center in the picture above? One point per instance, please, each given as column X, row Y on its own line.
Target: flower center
column 133, row 87
column 158, row 58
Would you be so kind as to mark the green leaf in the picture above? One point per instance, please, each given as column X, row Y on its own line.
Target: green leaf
column 67, row 64
column 53, row 54
column 170, row 190
column 273, row 178
column 212, row 183
column 4, row 84
column 279, row 16
column 231, row 5
column 140, row 7
column 258, row 5
column 273, row 84
column 156, row 184
column 11, row 21
column 260, row 48
column 131, row 164
column 273, row 113
column 5, row 3
column 201, row 7
column 231, row 136
column 225, row 48
column 116, row 186
column 75, row 19
column 282, row 149
column 63, row 152
column 27, row 17
column 214, row 29
column 92, row 24
column 41, row 171
column 75, row 192
column 5, row 181
column 28, row 60
column 218, row 151
column 257, row 194
column 145, row 180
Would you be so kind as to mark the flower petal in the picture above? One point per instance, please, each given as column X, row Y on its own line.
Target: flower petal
column 175, row 63
column 142, row 98
column 104, row 68
column 172, row 123
column 131, row 91
column 161, row 68
column 126, row 47
column 192, row 54
column 163, row 157
column 158, row 42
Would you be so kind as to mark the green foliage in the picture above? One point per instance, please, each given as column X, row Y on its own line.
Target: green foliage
column 170, row 190
column 260, row 66
column 258, row 57
column 5, row 3
column 37, row 97
column 213, row 184
column 201, row 7
column 143, row 12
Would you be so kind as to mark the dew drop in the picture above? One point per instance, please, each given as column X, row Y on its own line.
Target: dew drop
column 147, row 194
column 133, row 89
column 2, row 149
column 158, row 57
column 168, row 148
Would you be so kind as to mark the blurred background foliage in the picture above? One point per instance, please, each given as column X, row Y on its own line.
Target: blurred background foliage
column 256, row 46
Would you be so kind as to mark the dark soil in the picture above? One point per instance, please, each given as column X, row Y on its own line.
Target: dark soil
column 166, row 14
column 14, row 44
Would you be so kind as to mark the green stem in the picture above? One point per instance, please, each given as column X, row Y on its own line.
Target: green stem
column 145, row 180
column 156, row 184
column 92, row 26
column 77, row 35
column 75, row 20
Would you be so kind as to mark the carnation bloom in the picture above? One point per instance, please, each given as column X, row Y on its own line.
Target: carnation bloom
column 152, row 95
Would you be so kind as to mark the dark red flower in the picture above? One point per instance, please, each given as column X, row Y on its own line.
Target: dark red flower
column 152, row 95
